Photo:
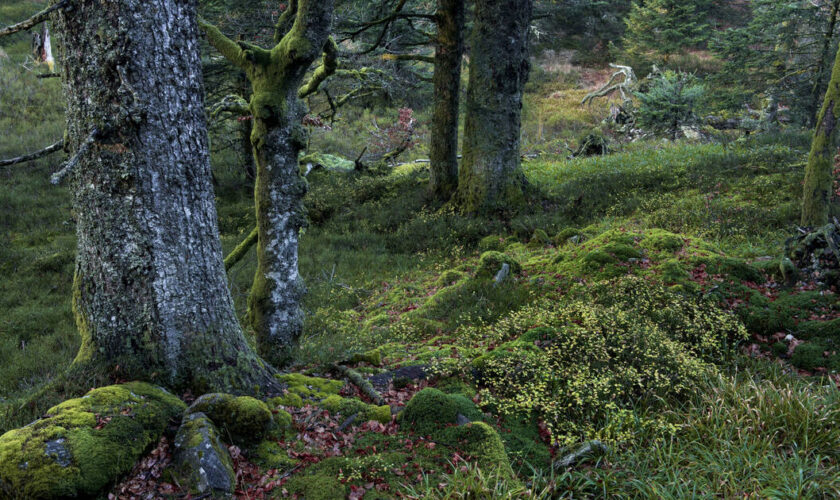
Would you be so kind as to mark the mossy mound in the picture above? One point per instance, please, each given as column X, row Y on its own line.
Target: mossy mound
column 539, row 239
column 373, row 357
column 431, row 410
column 450, row 277
column 491, row 263
column 482, row 444
column 244, row 419
column 352, row 406
column 492, row 243
column 84, row 444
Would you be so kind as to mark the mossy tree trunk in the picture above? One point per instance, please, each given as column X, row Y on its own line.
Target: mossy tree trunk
column 150, row 291
column 443, row 149
column 276, row 76
column 817, row 194
column 491, row 178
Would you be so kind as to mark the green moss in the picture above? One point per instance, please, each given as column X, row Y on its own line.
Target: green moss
column 494, row 242
column 539, row 239
column 810, row 356
column 270, row 455
column 819, row 329
column 481, row 443
column 431, row 410
column 288, row 399
column 491, row 262
column 244, row 419
column 450, row 277
column 563, row 236
column 66, row 455
column 657, row 239
column 352, row 406
column 312, row 388
column 373, row 357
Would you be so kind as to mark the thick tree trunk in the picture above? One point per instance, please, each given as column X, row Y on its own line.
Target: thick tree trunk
column 822, row 70
column 443, row 149
column 491, row 178
column 817, row 194
column 276, row 75
column 150, row 292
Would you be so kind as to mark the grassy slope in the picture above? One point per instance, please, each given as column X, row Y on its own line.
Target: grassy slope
column 377, row 248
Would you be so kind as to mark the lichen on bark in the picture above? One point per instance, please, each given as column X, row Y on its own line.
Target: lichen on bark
column 276, row 75
column 817, row 191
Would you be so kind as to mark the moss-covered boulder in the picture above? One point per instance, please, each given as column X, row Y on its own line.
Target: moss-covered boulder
column 450, row 277
column 202, row 462
column 491, row 263
column 245, row 419
column 348, row 407
column 493, row 242
column 481, row 443
column 431, row 410
column 82, row 445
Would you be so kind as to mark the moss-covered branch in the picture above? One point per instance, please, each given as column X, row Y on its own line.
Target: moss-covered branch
column 359, row 381
column 325, row 70
column 233, row 104
column 241, row 249
column 232, row 50
column 286, row 21
column 35, row 20
column 409, row 57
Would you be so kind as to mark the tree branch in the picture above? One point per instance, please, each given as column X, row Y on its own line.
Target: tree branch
column 231, row 50
column 33, row 156
column 286, row 21
column 35, row 20
column 233, row 104
column 324, row 71
column 241, row 250
column 71, row 164
column 409, row 57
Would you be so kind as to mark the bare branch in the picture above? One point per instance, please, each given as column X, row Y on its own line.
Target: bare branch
column 409, row 57
column 34, row 20
column 34, row 156
column 74, row 161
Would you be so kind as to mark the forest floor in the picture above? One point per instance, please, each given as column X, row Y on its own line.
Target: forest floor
column 645, row 308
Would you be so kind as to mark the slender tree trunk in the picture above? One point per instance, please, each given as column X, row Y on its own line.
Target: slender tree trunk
column 491, row 178
column 150, row 292
column 822, row 69
column 816, row 201
column 277, row 137
column 443, row 150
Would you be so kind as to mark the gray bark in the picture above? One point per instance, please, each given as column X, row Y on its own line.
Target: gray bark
column 443, row 149
column 150, row 292
column 490, row 178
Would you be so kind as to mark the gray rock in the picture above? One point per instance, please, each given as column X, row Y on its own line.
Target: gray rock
column 201, row 459
column 502, row 275
column 58, row 452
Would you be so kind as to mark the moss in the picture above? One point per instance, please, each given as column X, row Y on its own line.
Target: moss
column 84, row 444
column 481, row 443
column 352, row 406
column 493, row 242
column 810, row 356
column 491, row 262
column 431, row 410
column 288, row 399
column 450, row 277
column 245, row 419
column 312, row 388
column 819, row 329
column 270, row 455
column 373, row 357
column 657, row 239
column 563, row 236
column 673, row 272
column 539, row 239
column 320, row 481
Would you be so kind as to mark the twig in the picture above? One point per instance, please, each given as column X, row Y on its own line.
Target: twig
column 35, row 20
column 359, row 381
column 33, row 156
column 71, row 164
column 347, row 422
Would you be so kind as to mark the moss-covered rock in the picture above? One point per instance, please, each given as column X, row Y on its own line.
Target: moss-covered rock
column 352, row 406
column 491, row 262
column 202, row 462
column 373, row 357
column 493, row 242
column 84, row 444
column 449, row 278
column 481, row 443
column 244, row 419
column 431, row 410
column 539, row 239
column 567, row 234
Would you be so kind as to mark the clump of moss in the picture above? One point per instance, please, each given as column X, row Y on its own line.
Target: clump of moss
column 245, row 419
column 809, row 356
column 566, row 234
column 311, row 388
column 539, row 239
column 482, row 444
column 372, row 357
column 84, row 444
column 491, row 263
column 431, row 410
column 450, row 277
column 352, row 406
column 493, row 242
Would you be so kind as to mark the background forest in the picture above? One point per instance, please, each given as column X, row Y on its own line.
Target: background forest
column 649, row 317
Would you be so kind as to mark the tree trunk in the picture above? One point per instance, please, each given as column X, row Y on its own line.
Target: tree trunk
column 276, row 75
column 491, row 178
column 822, row 69
column 443, row 150
column 150, row 292
column 816, row 201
